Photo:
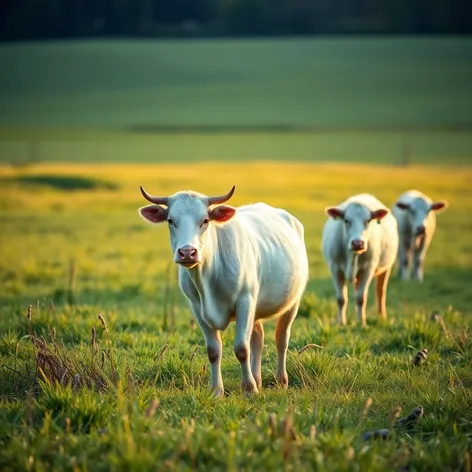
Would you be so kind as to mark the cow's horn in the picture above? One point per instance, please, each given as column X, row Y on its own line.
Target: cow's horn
column 222, row 199
column 153, row 199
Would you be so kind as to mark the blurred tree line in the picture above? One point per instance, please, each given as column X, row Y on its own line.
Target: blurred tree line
column 28, row 19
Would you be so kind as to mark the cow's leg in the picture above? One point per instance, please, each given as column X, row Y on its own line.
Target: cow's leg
column 340, row 287
column 282, row 335
column 245, row 308
column 381, row 282
column 404, row 256
column 419, row 256
column 257, row 344
column 214, row 351
column 364, row 277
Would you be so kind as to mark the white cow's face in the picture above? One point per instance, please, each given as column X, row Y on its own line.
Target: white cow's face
column 188, row 218
column 418, row 211
column 357, row 224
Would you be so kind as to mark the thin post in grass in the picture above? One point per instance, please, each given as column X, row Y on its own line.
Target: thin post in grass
column 71, row 288
column 406, row 157
column 104, row 324
column 165, row 303
column 362, row 416
column 33, row 152
column 93, row 338
column 192, row 357
column 173, row 301
column 28, row 317
column 32, row 336
column 17, row 350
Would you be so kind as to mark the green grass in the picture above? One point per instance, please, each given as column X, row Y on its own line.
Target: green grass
column 311, row 99
column 121, row 264
column 336, row 82
column 109, row 147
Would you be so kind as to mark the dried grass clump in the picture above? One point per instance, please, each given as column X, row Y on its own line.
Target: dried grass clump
column 56, row 364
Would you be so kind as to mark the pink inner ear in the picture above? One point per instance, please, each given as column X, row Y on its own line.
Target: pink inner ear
column 438, row 206
column 379, row 214
column 334, row 212
column 222, row 213
column 154, row 213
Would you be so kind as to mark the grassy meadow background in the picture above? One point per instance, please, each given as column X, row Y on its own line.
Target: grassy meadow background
column 300, row 124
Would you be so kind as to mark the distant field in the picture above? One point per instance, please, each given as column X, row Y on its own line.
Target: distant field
column 368, row 82
column 52, row 214
column 337, row 99
column 109, row 147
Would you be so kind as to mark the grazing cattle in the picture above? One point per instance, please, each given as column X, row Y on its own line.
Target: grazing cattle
column 245, row 264
column 360, row 242
column 416, row 216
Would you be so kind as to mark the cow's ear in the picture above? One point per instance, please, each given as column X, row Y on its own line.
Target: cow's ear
column 334, row 213
column 379, row 214
column 403, row 206
column 222, row 213
column 439, row 206
column 153, row 213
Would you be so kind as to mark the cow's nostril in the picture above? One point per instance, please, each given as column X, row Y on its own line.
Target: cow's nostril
column 193, row 253
column 181, row 253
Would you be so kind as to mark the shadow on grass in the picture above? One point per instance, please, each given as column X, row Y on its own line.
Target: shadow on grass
column 62, row 182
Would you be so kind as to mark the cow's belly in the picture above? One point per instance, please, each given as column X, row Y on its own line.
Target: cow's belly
column 276, row 298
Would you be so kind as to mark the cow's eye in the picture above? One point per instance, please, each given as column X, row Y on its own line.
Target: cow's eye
column 204, row 222
column 171, row 222
column 346, row 222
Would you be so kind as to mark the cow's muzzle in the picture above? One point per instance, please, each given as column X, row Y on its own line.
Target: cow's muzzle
column 187, row 256
column 357, row 245
column 420, row 230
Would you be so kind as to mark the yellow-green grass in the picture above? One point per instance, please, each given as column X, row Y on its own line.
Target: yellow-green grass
column 23, row 145
column 54, row 213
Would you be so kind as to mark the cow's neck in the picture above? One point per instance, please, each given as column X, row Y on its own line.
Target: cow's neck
column 201, row 274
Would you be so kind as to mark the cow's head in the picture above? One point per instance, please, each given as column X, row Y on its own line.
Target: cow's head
column 188, row 215
column 418, row 211
column 357, row 220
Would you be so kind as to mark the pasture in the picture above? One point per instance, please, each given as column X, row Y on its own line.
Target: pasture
column 301, row 99
column 54, row 213
column 296, row 123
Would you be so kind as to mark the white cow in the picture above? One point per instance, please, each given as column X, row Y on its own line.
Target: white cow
column 416, row 216
column 360, row 242
column 245, row 264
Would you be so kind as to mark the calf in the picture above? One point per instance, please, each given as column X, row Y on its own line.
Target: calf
column 245, row 264
column 416, row 216
column 360, row 242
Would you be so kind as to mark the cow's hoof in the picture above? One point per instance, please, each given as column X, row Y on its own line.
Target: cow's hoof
column 282, row 381
column 258, row 381
column 249, row 388
column 218, row 392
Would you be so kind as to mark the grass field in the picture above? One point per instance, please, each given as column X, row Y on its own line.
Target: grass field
column 336, row 82
column 324, row 99
column 52, row 214
column 299, row 123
